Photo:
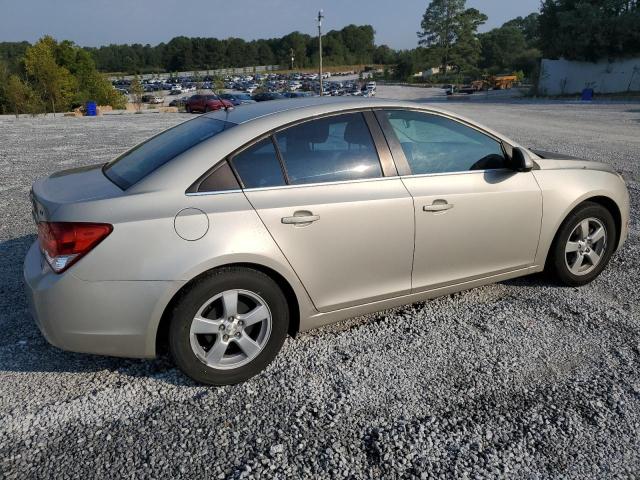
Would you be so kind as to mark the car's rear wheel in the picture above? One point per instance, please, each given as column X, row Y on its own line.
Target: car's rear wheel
column 229, row 326
column 583, row 246
column 188, row 109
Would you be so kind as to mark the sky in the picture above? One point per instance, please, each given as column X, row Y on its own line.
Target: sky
column 100, row 22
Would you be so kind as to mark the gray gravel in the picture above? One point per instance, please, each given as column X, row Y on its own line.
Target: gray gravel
column 519, row 379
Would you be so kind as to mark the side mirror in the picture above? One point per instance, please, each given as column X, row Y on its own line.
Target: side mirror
column 520, row 160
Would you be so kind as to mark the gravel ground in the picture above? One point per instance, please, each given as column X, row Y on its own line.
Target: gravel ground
column 519, row 379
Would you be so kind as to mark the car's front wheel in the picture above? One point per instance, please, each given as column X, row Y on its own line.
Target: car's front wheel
column 229, row 326
column 583, row 245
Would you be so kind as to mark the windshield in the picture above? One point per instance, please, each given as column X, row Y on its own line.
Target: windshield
column 140, row 161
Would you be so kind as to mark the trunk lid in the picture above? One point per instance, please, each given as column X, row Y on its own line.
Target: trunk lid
column 70, row 186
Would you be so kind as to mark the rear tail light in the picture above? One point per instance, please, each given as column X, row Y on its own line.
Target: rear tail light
column 64, row 243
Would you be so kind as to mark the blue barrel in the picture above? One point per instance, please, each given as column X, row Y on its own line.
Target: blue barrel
column 91, row 109
column 587, row 94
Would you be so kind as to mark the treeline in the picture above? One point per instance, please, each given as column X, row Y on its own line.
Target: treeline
column 51, row 76
column 55, row 76
column 573, row 29
column 350, row 45
column 589, row 30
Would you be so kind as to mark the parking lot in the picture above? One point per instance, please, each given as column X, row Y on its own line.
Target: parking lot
column 520, row 379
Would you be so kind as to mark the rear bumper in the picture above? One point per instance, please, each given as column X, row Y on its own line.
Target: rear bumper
column 117, row 318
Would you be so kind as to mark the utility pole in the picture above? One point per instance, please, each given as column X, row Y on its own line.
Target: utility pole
column 293, row 57
column 320, row 17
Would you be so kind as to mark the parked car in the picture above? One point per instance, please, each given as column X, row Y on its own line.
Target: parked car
column 206, row 103
column 179, row 102
column 220, row 236
column 239, row 98
column 265, row 96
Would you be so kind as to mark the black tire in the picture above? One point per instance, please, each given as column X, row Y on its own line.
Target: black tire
column 220, row 280
column 187, row 109
column 556, row 263
column 207, row 109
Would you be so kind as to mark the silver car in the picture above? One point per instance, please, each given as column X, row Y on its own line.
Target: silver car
column 221, row 236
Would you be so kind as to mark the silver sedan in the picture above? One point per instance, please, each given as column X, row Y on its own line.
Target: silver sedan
column 221, row 236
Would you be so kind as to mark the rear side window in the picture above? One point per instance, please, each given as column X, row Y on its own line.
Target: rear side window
column 258, row 166
column 137, row 163
column 221, row 179
column 434, row 144
column 331, row 149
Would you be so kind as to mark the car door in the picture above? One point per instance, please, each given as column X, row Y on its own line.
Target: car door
column 474, row 216
column 340, row 215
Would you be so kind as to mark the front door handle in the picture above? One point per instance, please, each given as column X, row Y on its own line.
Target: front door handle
column 301, row 218
column 438, row 206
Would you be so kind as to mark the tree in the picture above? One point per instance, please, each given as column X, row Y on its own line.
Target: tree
column 449, row 30
column 54, row 83
column 501, row 47
column 137, row 91
column 466, row 52
column 20, row 97
column 384, row 55
column 92, row 85
column 589, row 29
column 529, row 26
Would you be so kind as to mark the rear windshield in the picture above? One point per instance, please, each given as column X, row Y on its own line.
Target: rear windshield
column 140, row 161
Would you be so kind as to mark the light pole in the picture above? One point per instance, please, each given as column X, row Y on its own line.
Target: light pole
column 320, row 17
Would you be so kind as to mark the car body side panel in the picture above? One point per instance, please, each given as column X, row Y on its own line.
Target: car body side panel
column 145, row 251
column 326, row 318
column 565, row 188
column 361, row 247
column 493, row 225
column 102, row 317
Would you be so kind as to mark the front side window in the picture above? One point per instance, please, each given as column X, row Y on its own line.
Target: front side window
column 331, row 149
column 435, row 144
column 258, row 166
column 137, row 163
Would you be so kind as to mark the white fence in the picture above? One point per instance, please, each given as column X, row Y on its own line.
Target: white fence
column 564, row 77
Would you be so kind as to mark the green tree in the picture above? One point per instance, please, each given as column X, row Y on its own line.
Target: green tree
column 467, row 50
column 20, row 97
column 137, row 91
column 501, row 47
column 529, row 26
column 449, row 30
column 383, row 54
column 92, row 85
column 54, row 83
column 589, row 29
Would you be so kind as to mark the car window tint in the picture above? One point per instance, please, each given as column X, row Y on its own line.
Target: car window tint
column 329, row 149
column 140, row 161
column 258, row 166
column 221, row 179
column 434, row 144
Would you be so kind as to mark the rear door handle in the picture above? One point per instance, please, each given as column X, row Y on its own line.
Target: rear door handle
column 440, row 206
column 301, row 218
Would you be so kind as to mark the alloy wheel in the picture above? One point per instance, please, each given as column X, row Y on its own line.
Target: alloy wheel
column 230, row 329
column 586, row 246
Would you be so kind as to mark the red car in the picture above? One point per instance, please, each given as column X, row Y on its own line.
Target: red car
column 206, row 103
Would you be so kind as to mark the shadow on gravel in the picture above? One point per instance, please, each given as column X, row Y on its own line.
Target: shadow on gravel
column 24, row 349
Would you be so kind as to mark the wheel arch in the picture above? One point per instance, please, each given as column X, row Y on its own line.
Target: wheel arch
column 162, row 330
column 604, row 201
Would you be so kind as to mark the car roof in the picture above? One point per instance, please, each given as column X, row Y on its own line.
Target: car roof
column 286, row 110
